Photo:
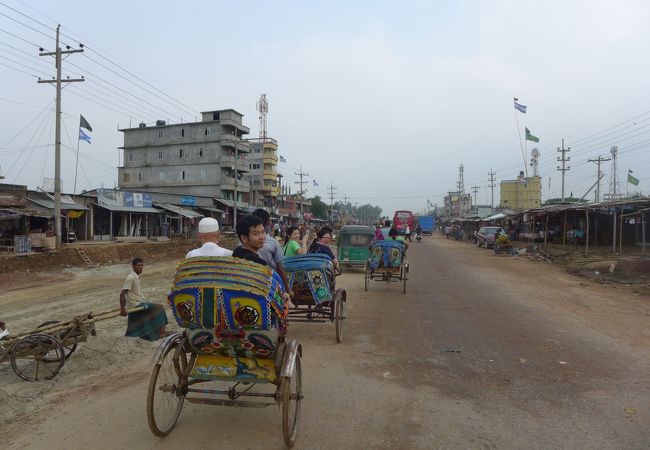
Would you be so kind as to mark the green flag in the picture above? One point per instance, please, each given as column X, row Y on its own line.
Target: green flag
column 632, row 179
column 530, row 137
column 83, row 123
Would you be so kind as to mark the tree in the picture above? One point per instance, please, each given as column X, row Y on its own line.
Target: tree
column 318, row 208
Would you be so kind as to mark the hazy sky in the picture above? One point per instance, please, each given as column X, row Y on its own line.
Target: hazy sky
column 383, row 99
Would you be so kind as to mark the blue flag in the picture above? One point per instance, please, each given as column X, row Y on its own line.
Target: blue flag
column 83, row 136
column 519, row 107
column 283, row 159
column 316, row 183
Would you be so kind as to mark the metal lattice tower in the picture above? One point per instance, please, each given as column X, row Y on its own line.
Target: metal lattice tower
column 614, row 183
column 263, row 109
column 534, row 160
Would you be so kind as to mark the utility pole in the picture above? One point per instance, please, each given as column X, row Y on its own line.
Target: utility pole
column 599, row 160
column 563, row 159
column 234, row 207
column 475, row 190
column 57, row 139
column 492, row 185
column 332, row 190
column 301, row 174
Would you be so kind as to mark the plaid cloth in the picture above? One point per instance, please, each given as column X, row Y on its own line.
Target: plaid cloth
column 146, row 324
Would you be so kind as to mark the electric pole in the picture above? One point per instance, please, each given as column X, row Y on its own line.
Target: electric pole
column 332, row 190
column 301, row 174
column 599, row 160
column 475, row 190
column 563, row 159
column 492, row 185
column 57, row 139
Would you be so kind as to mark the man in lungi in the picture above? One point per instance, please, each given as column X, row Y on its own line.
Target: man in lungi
column 148, row 324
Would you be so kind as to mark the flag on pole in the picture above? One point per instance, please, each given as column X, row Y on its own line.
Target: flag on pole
column 83, row 123
column 530, row 137
column 632, row 179
column 316, row 183
column 519, row 107
column 83, row 136
column 283, row 159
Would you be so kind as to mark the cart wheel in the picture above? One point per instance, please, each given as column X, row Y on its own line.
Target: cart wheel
column 291, row 398
column 404, row 281
column 366, row 278
column 37, row 357
column 339, row 306
column 69, row 349
column 165, row 396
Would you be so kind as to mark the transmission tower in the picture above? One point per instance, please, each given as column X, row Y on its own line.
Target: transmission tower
column 614, row 183
column 263, row 109
column 492, row 185
column 461, row 190
column 534, row 160
column 564, row 159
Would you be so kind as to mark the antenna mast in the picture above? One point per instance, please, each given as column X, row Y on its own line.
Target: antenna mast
column 534, row 160
column 614, row 184
column 263, row 109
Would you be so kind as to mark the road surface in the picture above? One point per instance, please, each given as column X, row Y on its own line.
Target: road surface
column 481, row 352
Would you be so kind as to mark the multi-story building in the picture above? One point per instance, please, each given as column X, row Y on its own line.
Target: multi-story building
column 522, row 193
column 457, row 204
column 263, row 161
column 206, row 158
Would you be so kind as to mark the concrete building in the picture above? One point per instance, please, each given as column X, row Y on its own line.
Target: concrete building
column 522, row 193
column 457, row 204
column 206, row 158
column 263, row 161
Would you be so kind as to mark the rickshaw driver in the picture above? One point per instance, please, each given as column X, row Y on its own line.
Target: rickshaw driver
column 3, row 330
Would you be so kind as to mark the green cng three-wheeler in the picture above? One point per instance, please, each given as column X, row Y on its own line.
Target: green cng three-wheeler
column 353, row 242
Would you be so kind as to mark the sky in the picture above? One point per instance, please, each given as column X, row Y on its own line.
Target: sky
column 383, row 100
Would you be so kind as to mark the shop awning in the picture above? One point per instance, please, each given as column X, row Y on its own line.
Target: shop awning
column 49, row 204
column 130, row 209
column 209, row 208
column 16, row 211
column 494, row 217
column 180, row 211
column 227, row 203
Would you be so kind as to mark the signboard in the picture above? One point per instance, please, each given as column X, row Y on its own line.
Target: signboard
column 110, row 197
column 188, row 200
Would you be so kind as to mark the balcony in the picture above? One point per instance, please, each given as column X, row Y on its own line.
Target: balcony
column 229, row 140
column 228, row 184
column 229, row 162
column 270, row 175
column 270, row 158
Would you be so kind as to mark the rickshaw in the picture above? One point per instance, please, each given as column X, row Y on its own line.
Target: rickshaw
column 234, row 319
column 353, row 245
column 387, row 262
column 311, row 277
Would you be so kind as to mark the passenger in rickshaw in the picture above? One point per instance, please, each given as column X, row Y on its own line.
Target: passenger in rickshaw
column 394, row 235
column 379, row 236
column 321, row 245
column 293, row 244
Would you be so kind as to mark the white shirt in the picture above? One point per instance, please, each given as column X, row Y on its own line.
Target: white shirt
column 132, row 284
column 209, row 249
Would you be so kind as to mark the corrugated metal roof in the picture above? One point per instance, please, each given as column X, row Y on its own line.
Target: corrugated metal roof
column 131, row 209
column 180, row 211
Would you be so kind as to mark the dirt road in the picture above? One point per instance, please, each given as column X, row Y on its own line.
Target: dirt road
column 482, row 352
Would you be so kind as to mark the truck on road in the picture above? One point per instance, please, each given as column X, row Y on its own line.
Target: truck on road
column 428, row 224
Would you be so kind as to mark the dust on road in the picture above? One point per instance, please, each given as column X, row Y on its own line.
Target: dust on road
column 481, row 352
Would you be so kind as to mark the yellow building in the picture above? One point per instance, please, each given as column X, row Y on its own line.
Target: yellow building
column 522, row 193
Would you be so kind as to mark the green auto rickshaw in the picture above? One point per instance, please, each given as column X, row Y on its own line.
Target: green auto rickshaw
column 353, row 242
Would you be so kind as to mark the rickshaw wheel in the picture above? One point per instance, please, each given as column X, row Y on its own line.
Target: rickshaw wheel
column 339, row 313
column 404, row 281
column 69, row 349
column 37, row 357
column 291, row 398
column 366, row 278
column 165, row 397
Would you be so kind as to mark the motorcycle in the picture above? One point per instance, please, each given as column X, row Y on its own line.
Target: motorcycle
column 418, row 237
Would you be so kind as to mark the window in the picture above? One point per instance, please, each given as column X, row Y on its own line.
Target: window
column 180, row 153
column 161, row 176
column 203, row 174
column 182, row 174
column 257, row 150
column 126, row 177
column 182, row 133
column 161, row 156
column 160, row 135
column 140, row 176
column 199, row 152
column 207, row 132
column 256, row 182
column 256, row 166
column 130, row 157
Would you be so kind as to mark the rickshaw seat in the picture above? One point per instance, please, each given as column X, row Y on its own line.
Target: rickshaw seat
column 387, row 253
column 311, row 273
column 234, row 313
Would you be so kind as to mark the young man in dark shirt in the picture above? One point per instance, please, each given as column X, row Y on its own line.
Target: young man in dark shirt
column 250, row 230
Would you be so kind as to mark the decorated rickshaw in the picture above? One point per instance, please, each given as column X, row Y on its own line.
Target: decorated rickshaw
column 234, row 319
column 312, row 279
column 387, row 262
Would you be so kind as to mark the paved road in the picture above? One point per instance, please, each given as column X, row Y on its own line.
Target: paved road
column 482, row 352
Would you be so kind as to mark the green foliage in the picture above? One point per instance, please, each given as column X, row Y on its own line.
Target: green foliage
column 318, row 208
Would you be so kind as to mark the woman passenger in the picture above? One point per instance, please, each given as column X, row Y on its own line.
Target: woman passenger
column 321, row 245
column 293, row 245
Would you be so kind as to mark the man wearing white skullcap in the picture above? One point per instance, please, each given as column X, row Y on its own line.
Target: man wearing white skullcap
column 209, row 235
